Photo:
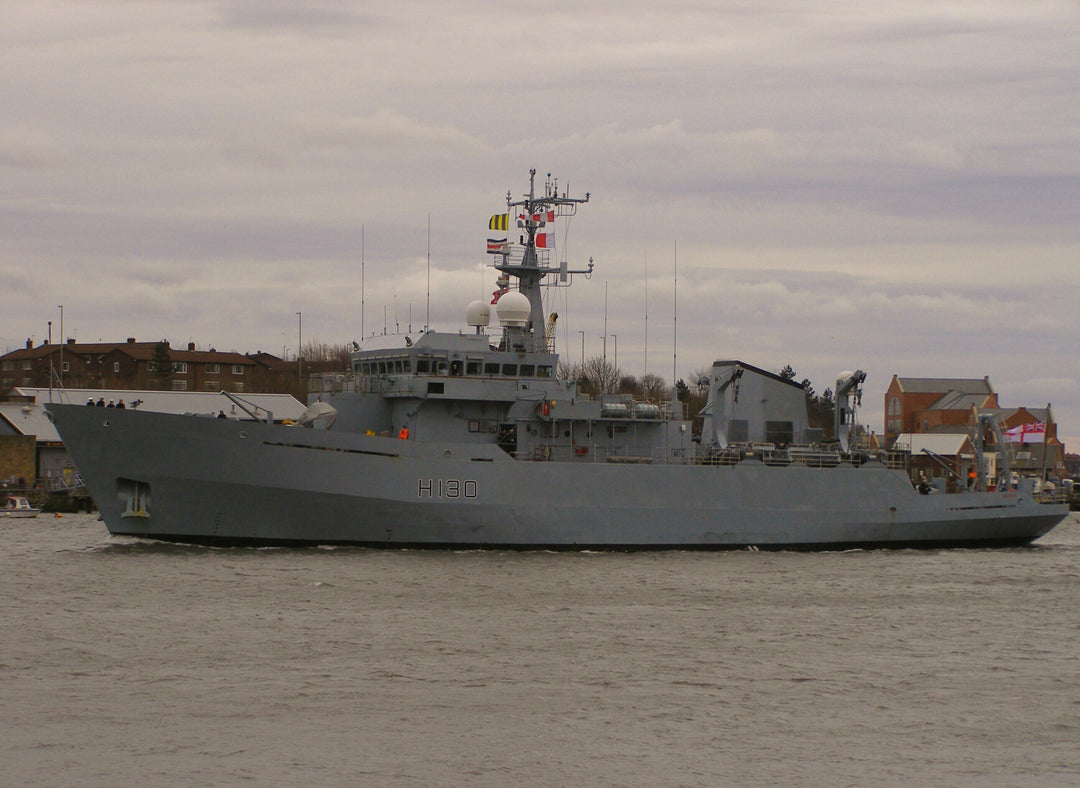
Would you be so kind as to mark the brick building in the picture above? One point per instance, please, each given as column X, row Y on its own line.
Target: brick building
column 916, row 406
column 139, row 365
column 926, row 404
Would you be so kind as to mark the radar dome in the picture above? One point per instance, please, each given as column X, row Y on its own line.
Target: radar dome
column 513, row 309
column 478, row 313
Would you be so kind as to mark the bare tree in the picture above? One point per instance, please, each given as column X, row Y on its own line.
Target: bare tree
column 654, row 387
column 599, row 376
column 567, row 371
column 628, row 384
column 324, row 357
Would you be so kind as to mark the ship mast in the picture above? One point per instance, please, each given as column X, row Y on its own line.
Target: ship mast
column 533, row 212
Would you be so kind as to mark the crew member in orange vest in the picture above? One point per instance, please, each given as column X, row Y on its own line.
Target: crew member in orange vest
column 404, row 434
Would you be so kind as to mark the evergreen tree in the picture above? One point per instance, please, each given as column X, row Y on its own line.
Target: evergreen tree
column 161, row 362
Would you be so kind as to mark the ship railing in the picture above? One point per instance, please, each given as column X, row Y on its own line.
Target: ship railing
column 350, row 383
column 64, row 482
column 810, row 456
column 515, row 256
column 341, row 383
column 1051, row 494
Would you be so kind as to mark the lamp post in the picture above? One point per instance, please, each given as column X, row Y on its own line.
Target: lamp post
column 62, row 341
column 582, row 348
column 605, row 322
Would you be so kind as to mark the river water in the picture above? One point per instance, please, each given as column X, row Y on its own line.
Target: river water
column 128, row 662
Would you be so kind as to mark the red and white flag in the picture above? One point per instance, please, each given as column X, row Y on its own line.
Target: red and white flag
column 538, row 219
column 545, row 240
column 1027, row 433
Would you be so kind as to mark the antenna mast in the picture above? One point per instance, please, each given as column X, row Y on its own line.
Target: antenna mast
column 675, row 322
column 361, row 283
column 427, row 316
column 645, row 257
column 534, row 211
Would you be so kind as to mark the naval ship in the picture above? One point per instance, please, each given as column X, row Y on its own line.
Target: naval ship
column 472, row 439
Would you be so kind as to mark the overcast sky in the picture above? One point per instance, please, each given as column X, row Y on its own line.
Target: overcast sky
column 878, row 185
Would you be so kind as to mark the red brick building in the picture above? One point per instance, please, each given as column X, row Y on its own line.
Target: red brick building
column 951, row 405
column 135, row 365
column 927, row 404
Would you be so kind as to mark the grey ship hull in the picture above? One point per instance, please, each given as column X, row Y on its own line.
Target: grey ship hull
column 195, row 479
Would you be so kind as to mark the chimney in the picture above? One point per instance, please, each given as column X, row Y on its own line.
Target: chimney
column 71, row 341
column 131, row 340
column 191, row 346
column 29, row 344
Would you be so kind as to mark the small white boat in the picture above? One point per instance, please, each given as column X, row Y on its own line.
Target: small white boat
column 18, row 506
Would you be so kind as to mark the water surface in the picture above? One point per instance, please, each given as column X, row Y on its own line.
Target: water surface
column 133, row 662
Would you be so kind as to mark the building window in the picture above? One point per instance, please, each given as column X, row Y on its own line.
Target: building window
column 9, row 366
column 213, row 369
column 66, row 366
column 179, row 385
column 894, row 406
column 180, row 368
column 116, row 366
column 27, row 365
column 238, row 388
column 238, row 369
column 213, row 385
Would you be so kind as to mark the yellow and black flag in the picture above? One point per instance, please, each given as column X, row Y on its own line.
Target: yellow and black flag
column 499, row 221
